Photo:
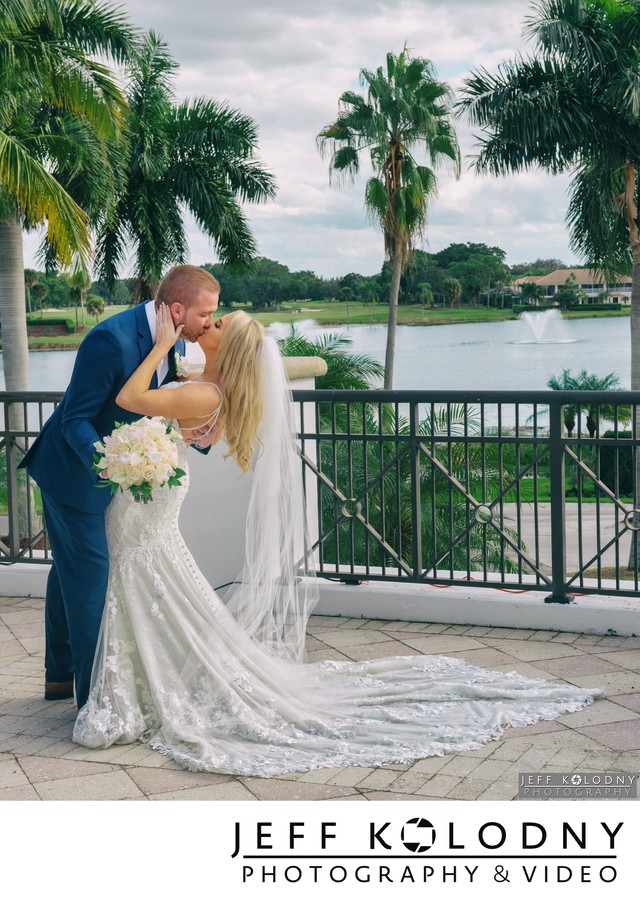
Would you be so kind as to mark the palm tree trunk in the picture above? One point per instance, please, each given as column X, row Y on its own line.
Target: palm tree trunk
column 394, row 291
column 15, row 348
column 15, row 354
column 634, row 241
column 634, row 554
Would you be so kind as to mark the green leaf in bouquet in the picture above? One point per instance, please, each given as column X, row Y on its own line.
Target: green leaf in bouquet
column 142, row 492
column 175, row 479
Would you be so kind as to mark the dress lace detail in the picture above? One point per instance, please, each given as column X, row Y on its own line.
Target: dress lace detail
column 175, row 670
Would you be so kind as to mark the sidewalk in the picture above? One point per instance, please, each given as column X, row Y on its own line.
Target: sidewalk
column 39, row 761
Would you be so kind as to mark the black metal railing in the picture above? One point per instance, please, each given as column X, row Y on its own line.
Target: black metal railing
column 23, row 536
column 516, row 489
column 522, row 490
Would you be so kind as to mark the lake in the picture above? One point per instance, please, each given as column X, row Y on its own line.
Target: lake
column 492, row 355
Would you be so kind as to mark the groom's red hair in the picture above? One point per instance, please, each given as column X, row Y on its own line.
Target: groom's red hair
column 183, row 283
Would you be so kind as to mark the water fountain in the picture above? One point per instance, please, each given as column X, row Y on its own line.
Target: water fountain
column 547, row 326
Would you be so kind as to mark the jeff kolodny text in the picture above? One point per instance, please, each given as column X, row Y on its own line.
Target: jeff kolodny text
column 417, row 849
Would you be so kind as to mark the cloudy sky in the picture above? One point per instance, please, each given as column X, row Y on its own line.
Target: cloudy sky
column 286, row 62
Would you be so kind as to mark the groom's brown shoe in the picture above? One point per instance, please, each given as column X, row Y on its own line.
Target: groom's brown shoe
column 58, row 689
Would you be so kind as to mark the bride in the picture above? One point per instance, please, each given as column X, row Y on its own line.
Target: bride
column 223, row 686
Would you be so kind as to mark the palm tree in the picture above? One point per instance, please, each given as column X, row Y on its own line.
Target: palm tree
column 79, row 282
column 565, row 382
column 593, row 411
column 95, row 306
column 405, row 109
column 452, row 289
column 39, row 292
column 31, row 278
column 345, row 370
column 199, row 155
column 573, row 107
column 58, row 108
column 347, row 294
column 425, row 295
column 531, row 293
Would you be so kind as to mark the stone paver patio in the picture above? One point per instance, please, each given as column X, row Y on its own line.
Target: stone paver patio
column 38, row 760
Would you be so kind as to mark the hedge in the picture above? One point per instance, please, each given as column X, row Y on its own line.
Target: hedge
column 522, row 307
column 68, row 322
column 597, row 307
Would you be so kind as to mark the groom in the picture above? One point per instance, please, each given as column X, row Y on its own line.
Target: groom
column 61, row 459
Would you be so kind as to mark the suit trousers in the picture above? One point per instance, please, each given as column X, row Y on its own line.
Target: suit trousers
column 76, row 590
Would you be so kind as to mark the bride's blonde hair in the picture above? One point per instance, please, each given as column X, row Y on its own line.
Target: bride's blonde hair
column 238, row 365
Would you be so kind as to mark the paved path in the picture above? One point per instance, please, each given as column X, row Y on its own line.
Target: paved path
column 38, row 761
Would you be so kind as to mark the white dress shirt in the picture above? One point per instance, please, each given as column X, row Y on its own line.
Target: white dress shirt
column 163, row 368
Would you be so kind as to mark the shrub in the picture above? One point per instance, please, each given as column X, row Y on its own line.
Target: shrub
column 624, row 456
column 522, row 307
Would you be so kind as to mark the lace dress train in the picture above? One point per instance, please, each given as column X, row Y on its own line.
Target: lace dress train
column 175, row 670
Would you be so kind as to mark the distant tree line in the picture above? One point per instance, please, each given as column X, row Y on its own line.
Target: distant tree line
column 469, row 274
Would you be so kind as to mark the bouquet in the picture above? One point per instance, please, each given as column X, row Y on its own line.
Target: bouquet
column 138, row 457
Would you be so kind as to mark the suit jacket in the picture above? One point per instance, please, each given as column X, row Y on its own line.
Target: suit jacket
column 61, row 458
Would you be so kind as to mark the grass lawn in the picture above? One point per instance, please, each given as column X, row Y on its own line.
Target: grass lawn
column 625, row 312
column 323, row 312
column 326, row 313
column 527, row 494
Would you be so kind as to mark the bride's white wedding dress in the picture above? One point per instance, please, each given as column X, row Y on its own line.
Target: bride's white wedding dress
column 175, row 670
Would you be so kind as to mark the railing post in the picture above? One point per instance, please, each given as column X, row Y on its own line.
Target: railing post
column 416, row 507
column 558, row 536
column 13, row 513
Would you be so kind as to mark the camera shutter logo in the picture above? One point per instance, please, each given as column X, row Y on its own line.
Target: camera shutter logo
column 418, row 835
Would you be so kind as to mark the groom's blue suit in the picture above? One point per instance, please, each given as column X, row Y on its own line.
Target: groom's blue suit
column 61, row 461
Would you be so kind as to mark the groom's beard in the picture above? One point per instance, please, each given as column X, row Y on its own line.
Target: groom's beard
column 191, row 336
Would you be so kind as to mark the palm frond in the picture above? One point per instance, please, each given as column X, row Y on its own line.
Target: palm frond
column 345, row 370
column 43, row 199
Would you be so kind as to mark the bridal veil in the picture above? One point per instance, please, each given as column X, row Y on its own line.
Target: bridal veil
column 276, row 591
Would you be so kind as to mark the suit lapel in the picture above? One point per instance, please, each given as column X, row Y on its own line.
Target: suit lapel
column 171, row 374
column 178, row 348
column 145, row 342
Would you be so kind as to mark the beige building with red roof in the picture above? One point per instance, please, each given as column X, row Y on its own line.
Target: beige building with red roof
column 589, row 282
